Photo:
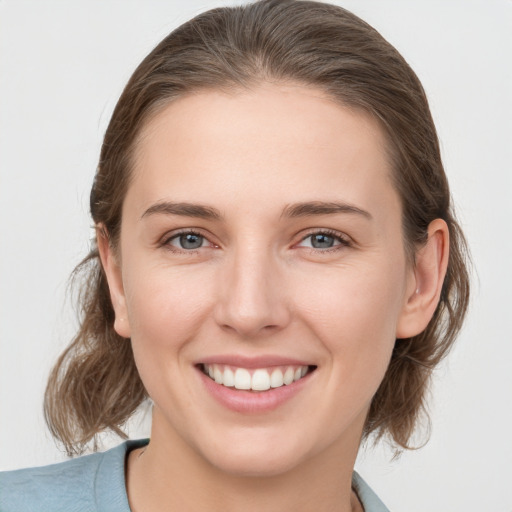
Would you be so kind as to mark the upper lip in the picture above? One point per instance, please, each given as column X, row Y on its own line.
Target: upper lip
column 263, row 361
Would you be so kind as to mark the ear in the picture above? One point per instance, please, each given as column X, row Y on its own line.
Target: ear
column 425, row 281
column 112, row 268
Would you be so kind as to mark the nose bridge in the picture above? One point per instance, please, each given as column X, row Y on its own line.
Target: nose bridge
column 253, row 299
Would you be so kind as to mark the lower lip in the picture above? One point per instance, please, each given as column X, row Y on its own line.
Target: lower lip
column 251, row 402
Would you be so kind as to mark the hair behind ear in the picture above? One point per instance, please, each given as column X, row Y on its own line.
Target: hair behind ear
column 400, row 401
column 94, row 386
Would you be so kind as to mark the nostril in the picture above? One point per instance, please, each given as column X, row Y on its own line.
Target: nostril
column 247, row 329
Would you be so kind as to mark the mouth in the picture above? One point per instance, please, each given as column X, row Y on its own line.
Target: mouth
column 255, row 379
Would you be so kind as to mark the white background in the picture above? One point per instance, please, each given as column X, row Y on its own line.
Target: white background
column 62, row 68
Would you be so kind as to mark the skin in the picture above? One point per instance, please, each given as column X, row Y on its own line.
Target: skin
column 257, row 286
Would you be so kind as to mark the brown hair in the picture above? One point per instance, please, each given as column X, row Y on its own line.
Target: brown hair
column 95, row 385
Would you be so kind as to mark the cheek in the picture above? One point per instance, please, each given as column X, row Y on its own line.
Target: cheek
column 166, row 306
column 354, row 312
column 362, row 300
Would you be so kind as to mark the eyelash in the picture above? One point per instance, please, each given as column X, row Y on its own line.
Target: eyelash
column 343, row 241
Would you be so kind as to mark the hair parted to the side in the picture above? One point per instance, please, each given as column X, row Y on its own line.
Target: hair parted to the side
column 95, row 385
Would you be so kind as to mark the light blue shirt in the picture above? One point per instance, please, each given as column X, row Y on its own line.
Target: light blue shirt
column 96, row 483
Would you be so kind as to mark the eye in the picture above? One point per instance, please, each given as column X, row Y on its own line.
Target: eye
column 323, row 240
column 187, row 241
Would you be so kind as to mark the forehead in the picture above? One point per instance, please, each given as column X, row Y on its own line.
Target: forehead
column 287, row 143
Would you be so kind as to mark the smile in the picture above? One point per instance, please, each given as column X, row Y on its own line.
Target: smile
column 258, row 379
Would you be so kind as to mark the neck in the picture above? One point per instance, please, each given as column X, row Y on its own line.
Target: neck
column 170, row 475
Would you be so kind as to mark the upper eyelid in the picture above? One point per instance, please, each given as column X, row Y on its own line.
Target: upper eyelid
column 330, row 232
column 195, row 233
column 170, row 235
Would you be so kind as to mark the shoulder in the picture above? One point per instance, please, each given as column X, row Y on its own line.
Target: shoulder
column 69, row 485
column 85, row 484
column 369, row 500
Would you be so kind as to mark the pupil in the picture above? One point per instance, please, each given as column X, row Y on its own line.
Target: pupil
column 322, row 241
column 191, row 241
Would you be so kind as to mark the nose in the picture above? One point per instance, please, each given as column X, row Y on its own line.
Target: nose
column 252, row 300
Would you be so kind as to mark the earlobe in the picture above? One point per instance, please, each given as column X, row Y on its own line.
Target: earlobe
column 426, row 281
column 112, row 269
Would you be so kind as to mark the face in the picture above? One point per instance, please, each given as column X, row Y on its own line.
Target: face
column 261, row 275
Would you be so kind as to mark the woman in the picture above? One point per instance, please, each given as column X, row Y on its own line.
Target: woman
column 277, row 266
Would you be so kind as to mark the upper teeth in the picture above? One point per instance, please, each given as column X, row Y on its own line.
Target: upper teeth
column 260, row 379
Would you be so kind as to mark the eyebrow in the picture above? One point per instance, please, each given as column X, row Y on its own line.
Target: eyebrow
column 184, row 209
column 306, row 209
column 322, row 208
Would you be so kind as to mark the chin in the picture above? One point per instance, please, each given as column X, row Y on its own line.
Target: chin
column 255, row 456
column 257, row 464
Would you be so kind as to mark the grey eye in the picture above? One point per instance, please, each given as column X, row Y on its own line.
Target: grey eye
column 189, row 241
column 322, row 241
